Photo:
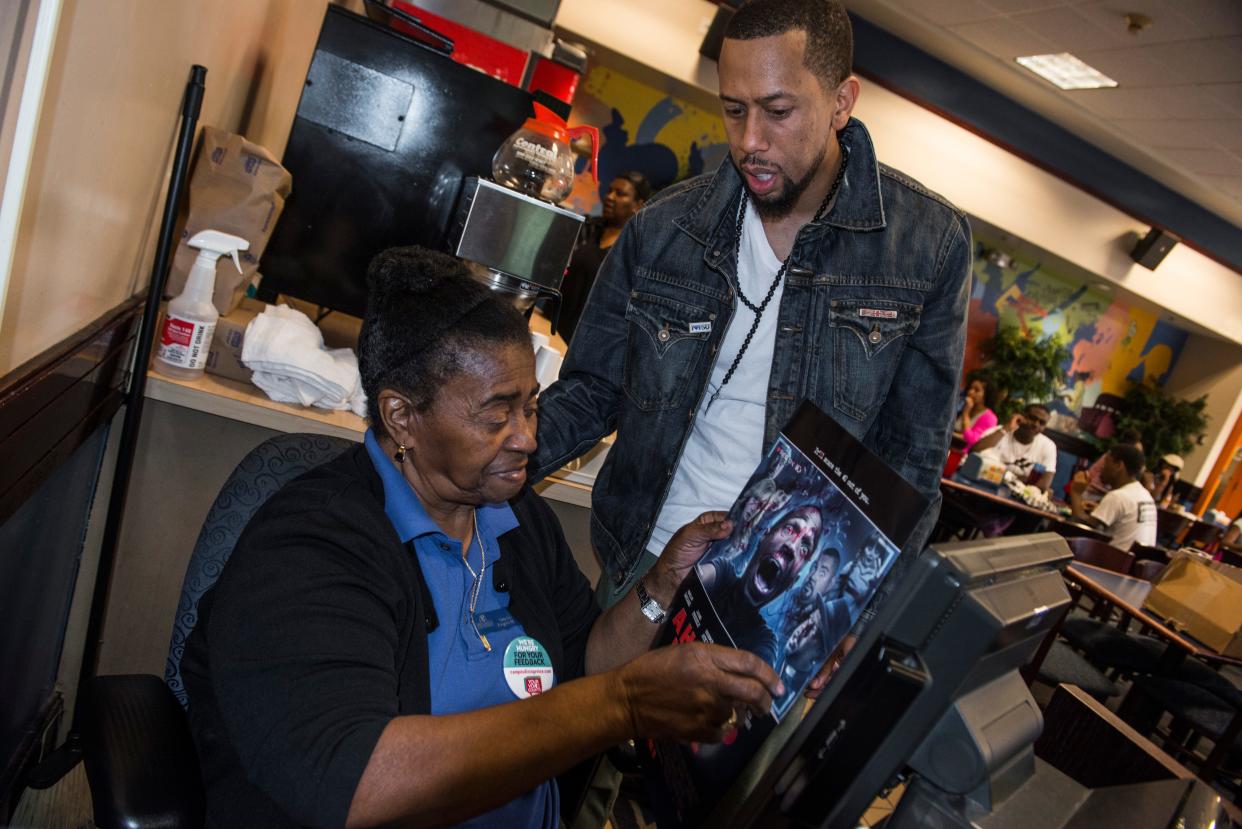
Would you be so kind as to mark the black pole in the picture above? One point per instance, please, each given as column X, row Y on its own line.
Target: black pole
column 57, row 764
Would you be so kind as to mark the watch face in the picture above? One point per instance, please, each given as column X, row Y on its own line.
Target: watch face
column 653, row 611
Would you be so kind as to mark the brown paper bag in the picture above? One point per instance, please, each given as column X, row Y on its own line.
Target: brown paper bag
column 1203, row 598
column 237, row 187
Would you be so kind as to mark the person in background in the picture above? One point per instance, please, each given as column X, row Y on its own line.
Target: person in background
column 626, row 195
column 1127, row 513
column 1233, row 535
column 402, row 635
column 976, row 417
column 1097, row 487
column 1022, row 447
column 1160, row 479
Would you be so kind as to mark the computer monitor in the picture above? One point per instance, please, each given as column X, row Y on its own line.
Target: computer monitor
column 931, row 685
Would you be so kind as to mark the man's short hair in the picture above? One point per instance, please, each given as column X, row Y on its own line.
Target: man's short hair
column 1030, row 407
column 1130, row 456
column 829, row 35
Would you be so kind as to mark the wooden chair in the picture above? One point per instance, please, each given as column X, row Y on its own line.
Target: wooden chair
column 1144, row 552
column 1202, row 535
column 1101, row 554
column 1170, row 526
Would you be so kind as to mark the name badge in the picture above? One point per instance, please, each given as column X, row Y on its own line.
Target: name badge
column 877, row 313
column 493, row 621
column 528, row 668
column 700, row 328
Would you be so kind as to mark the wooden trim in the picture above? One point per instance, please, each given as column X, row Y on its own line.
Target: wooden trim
column 50, row 405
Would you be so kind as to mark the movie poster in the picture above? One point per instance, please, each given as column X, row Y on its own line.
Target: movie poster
column 816, row 528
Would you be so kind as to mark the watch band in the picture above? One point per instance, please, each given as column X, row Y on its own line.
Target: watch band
column 649, row 606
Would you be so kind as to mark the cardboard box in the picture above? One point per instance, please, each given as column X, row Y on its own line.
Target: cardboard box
column 1203, row 598
column 224, row 356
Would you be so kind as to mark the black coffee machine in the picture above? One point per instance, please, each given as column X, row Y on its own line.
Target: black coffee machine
column 392, row 144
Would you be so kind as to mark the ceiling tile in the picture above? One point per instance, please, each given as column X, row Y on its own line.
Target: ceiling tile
column 1163, row 133
column 1228, row 184
column 1135, row 67
column 1003, row 38
column 949, row 12
column 1227, row 95
column 1016, row 6
column 1205, row 162
column 1068, row 30
column 1215, row 17
column 1192, row 102
column 1226, row 132
column 1167, row 25
column 1213, row 60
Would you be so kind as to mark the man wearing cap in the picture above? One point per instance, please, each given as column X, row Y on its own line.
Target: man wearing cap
column 801, row 269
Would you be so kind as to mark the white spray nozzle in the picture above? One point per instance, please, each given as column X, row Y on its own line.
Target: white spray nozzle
column 215, row 244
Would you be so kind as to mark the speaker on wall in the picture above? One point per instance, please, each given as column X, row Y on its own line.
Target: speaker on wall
column 1152, row 248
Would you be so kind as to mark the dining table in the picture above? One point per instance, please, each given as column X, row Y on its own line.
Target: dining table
column 1127, row 594
column 978, row 501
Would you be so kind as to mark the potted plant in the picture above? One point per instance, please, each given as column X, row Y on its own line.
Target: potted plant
column 1021, row 369
column 1167, row 424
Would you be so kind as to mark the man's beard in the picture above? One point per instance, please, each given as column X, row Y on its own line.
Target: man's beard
column 781, row 203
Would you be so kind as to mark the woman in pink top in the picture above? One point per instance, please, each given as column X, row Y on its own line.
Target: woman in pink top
column 975, row 419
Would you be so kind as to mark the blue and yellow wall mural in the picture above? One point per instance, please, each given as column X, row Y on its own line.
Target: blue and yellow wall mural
column 1113, row 344
column 642, row 128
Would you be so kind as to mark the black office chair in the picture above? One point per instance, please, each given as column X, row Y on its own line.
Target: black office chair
column 140, row 758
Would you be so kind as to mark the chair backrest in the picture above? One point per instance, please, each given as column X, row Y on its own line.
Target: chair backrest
column 1099, row 554
column 267, row 468
column 1147, row 569
column 1144, row 552
column 1202, row 534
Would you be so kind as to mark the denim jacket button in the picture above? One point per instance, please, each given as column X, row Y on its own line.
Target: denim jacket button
column 663, row 335
column 875, row 336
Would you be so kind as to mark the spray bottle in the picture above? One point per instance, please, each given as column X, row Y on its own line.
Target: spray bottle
column 190, row 321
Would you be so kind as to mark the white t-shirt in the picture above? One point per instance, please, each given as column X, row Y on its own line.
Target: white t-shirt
column 1128, row 515
column 726, row 442
column 1021, row 458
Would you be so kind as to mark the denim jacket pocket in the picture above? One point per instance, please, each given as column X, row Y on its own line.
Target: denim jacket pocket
column 868, row 337
column 667, row 339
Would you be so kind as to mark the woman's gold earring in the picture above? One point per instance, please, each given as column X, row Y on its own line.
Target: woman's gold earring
column 399, row 455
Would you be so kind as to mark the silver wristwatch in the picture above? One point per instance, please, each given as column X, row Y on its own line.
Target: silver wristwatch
column 649, row 606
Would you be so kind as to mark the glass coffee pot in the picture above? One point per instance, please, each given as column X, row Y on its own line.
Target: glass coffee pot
column 537, row 159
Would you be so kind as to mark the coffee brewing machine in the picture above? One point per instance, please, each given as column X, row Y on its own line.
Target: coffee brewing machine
column 396, row 143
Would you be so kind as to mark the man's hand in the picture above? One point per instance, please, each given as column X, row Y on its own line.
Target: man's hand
column 695, row 691
column 1014, row 423
column 816, row 686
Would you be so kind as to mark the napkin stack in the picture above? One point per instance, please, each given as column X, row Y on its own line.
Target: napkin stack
column 285, row 351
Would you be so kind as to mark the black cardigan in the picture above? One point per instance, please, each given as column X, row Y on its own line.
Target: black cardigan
column 315, row 637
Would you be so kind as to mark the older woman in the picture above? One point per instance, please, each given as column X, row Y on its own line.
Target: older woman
column 402, row 635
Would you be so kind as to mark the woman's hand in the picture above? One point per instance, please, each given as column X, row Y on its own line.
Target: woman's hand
column 684, row 550
column 693, row 691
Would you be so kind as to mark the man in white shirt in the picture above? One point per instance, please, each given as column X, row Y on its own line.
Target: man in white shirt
column 1022, row 447
column 1127, row 512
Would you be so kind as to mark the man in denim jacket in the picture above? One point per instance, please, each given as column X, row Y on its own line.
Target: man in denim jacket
column 866, row 278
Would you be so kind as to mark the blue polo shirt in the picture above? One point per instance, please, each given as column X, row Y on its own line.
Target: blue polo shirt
column 464, row 675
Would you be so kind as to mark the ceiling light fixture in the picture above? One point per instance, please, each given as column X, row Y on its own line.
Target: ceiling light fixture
column 1066, row 71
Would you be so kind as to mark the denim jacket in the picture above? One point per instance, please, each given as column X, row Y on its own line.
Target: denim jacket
column 639, row 365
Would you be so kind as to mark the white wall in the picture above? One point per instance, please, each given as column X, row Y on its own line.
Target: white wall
column 91, row 208
column 1212, row 367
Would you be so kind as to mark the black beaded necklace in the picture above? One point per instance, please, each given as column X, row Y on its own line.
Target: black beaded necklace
column 776, row 280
